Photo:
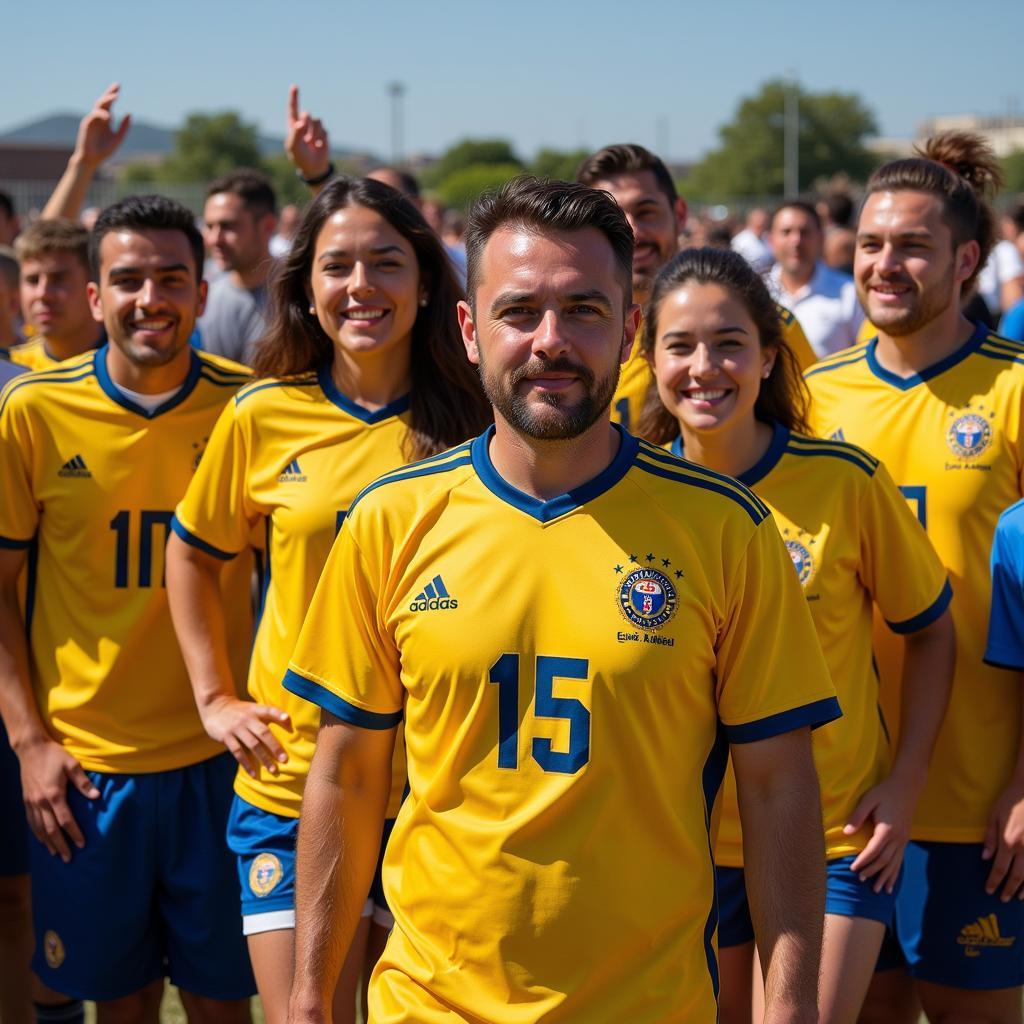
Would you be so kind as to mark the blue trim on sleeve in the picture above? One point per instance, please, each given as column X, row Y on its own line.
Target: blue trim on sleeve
column 337, row 706
column 711, row 782
column 343, row 402
column 821, row 712
column 928, row 616
column 970, row 346
column 197, row 542
column 11, row 544
column 545, row 511
column 998, row 657
column 112, row 391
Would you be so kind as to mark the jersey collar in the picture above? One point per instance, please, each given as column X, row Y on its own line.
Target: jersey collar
column 343, row 402
column 906, row 383
column 764, row 465
column 112, row 392
column 545, row 511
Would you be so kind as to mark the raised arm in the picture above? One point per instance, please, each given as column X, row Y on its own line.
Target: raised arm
column 307, row 145
column 784, row 858
column 197, row 610
column 343, row 811
column 97, row 141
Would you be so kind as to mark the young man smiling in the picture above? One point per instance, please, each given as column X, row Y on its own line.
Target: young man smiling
column 617, row 618
column 127, row 798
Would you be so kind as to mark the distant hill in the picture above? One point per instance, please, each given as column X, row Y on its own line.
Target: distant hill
column 144, row 139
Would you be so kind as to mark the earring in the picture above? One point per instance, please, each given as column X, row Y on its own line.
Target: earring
column 312, row 309
column 767, row 373
column 424, row 301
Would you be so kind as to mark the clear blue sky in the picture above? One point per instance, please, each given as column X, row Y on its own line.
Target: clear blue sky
column 539, row 72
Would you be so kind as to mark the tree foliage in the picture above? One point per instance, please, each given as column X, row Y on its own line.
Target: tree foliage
column 459, row 189
column 749, row 160
column 470, row 153
column 1013, row 171
column 209, row 145
column 557, row 164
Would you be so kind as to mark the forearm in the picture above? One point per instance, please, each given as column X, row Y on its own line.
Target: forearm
column 68, row 197
column 339, row 840
column 18, row 704
column 197, row 611
column 928, row 662
column 784, row 862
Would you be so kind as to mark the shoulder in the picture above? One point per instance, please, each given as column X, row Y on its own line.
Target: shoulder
column 839, row 457
column 419, row 485
column 995, row 346
column 222, row 367
column 270, row 393
column 27, row 389
column 670, row 476
column 1011, row 522
column 839, row 362
column 832, row 282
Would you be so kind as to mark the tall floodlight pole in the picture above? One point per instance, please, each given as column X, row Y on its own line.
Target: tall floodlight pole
column 396, row 90
column 791, row 135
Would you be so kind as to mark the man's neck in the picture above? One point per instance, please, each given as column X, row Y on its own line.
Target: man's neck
column 148, row 380
column 374, row 381
column 911, row 353
column 732, row 450
column 545, row 469
column 794, row 282
column 252, row 277
column 61, row 348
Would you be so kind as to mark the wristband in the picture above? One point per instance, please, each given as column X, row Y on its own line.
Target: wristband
column 318, row 180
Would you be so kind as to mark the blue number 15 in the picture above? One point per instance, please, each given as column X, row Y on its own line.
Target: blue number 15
column 505, row 672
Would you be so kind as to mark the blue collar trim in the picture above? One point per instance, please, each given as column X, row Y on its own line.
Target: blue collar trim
column 545, row 511
column 764, row 465
column 969, row 347
column 343, row 402
column 114, row 394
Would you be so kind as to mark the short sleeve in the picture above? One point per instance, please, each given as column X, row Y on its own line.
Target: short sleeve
column 899, row 566
column 19, row 510
column 345, row 661
column 794, row 336
column 214, row 515
column 772, row 676
column 1005, row 647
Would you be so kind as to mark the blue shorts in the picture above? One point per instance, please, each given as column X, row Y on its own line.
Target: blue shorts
column 845, row 896
column 14, row 848
column 151, row 894
column 948, row 930
column 264, row 848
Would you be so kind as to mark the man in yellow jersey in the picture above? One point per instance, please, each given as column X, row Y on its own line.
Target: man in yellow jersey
column 54, row 274
column 939, row 400
column 126, row 796
column 641, row 184
column 575, row 627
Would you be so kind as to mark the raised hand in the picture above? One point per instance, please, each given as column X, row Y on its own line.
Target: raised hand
column 98, row 139
column 306, row 139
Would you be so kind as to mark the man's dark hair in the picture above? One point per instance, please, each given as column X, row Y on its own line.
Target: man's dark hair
column 796, row 204
column 251, row 186
column 962, row 171
column 6, row 204
column 141, row 213
column 840, row 209
column 627, row 158
column 410, row 187
column 538, row 204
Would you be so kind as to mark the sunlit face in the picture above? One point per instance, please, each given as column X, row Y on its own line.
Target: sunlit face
column 655, row 224
column 148, row 295
column 550, row 330
column 906, row 267
column 707, row 359
column 53, row 296
column 365, row 282
column 236, row 238
column 796, row 241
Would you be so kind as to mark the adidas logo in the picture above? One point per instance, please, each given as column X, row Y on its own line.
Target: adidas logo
column 983, row 933
column 434, row 596
column 837, row 435
column 74, row 467
column 291, row 474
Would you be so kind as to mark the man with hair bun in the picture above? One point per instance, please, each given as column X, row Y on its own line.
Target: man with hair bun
column 939, row 400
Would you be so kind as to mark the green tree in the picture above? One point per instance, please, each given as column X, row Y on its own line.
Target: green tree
column 209, row 145
column 557, row 164
column 749, row 160
column 471, row 153
column 1013, row 171
column 459, row 189
column 140, row 173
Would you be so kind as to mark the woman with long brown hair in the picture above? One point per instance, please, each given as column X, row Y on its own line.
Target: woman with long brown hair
column 362, row 369
column 730, row 397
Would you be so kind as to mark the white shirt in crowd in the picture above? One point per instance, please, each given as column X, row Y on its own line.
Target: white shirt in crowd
column 826, row 307
column 1003, row 264
column 754, row 249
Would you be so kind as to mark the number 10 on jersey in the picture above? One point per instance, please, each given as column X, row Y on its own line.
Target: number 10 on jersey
column 505, row 672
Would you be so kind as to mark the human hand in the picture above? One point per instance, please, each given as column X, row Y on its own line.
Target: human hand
column 306, row 139
column 890, row 805
column 242, row 727
column 1004, row 843
column 98, row 140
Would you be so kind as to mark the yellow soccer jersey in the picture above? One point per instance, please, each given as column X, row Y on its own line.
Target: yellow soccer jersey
column 866, row 332
column 951, row 438
column 853, row 541
column 292, row 454
column 570, row 674
column 635, row 378
column 89, row 483
column 33, row 355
